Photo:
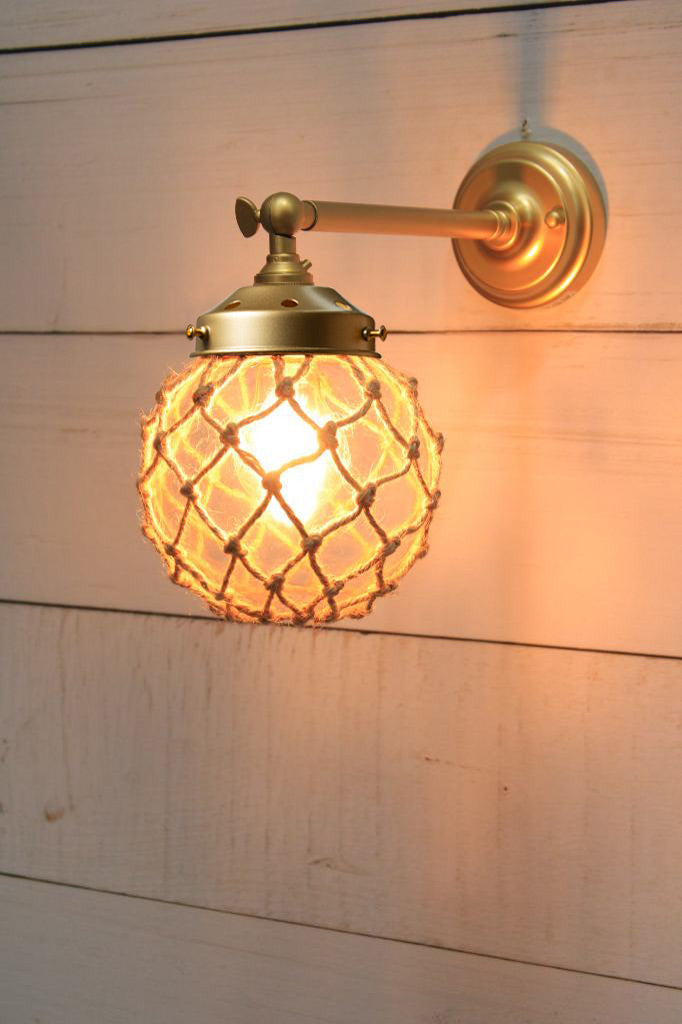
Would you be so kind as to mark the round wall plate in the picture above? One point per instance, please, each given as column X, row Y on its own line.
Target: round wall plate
column 561, row 217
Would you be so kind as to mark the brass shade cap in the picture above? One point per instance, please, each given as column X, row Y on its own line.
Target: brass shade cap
column 282, row 318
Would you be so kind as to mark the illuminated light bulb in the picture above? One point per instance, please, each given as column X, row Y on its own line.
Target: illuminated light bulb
column 272, row 440
column 288, row 488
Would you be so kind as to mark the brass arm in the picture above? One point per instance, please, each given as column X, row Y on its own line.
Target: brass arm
column 363, row 218
column 285, row 214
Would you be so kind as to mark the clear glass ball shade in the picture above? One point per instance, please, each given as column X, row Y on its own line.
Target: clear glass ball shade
column 288, row 488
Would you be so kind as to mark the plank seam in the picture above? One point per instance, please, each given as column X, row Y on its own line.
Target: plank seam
column 335, row 629
column 397, row 331
column 179, row 37
column 340, row 931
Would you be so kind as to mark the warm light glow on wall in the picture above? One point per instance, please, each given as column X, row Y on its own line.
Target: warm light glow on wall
column 288, row 488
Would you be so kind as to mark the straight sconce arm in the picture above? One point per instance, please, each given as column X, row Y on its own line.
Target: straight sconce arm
column 364, row 218
column 283, row 214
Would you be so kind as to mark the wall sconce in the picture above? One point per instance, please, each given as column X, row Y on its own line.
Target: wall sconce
column 288, row 475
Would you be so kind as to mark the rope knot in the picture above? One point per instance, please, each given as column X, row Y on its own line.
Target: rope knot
column 390, row 547
column 327, row 435
column 233, row 547
column 440, row 443
column 373, row 389
column 332, row 589
column 229, row 435
column 413, row 450
column 311, row 543
column 158, row 441
column 435, row 500
column 413, row 384
column 285, row 388
column 170, row 550
column 271, row 482
column 202, row 394
column 187, row 490
column 366, row 496
column 158, row 397
column 275, row 583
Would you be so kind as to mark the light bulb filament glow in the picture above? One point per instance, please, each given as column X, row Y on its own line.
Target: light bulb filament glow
column 276, row 441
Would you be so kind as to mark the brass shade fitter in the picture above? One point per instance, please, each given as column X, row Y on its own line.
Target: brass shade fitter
column 288, row 475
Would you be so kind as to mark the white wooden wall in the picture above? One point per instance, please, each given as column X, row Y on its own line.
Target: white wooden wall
column 466, row 809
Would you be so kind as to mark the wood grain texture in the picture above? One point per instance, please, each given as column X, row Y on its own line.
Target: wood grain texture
column 38, row 23
column 561, row 517
column 72, row 957
column 509, row 801
column 122, row 164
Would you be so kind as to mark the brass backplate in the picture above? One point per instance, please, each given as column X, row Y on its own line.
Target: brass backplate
column 561, row 224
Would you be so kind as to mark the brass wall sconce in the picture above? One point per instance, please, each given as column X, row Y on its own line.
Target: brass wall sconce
column 289, row 475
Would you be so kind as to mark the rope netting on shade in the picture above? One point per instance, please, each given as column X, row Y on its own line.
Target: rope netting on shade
column 288, row 488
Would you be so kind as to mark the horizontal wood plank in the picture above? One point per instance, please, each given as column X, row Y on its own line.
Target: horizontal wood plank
column 123, row 163
column 561, row 516
column 71, row 957
column 501, row 800
column 32, row 23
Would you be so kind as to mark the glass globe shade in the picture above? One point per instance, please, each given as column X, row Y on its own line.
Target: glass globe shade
column 288, row 488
